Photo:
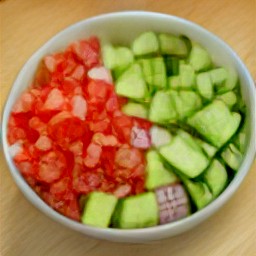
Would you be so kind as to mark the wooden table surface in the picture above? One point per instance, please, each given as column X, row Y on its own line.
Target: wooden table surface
column 25, row 26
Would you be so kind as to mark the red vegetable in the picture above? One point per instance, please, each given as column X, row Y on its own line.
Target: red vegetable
column 69, row 136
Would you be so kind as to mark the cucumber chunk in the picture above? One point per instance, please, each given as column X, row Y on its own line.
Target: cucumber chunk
column 98, row 209
column 216, row 177
column 185, row 155
column 159, row 136
column 230, row 83
column 172, row 65
column 138, row 211
column 159, row 73
column 147, row 71
column 240, row 139
column 173, row 45
column 199, row 192
column 162, row 109
column 216, row 123
column 209, row 149
column 187, row 76
column 156, row 174
column 131, row 83
column 146, row 43
column 174, row 82
column 218, row 76
column 199, row 58
column 135, row 109
column 204, row 85
column 186, row 102
column 154, row 72
column 229, row 98
column 232, row 157
column 117, row 57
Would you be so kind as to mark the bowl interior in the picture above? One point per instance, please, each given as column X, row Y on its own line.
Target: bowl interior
column 121, row 28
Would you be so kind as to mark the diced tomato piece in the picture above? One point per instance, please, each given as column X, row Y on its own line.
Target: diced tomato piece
column 15, row 134
column 93, row 155
column 122, row 128
column 86, row 53
column 60, row 117
column 79, row 106
column 24, row 103
column 84, row 181
column 54, row 101
column 50, row 63
column 94, row 43
column 44, row 143
column 105, row 140
column 61, row 188
column 139, row 186
column 78, row 72
column 16, row 148
column 69, row 85
column 26, row 168
column 100, row 126
column 98, row 90
column 76, row 148
column 36, row 124
column 128, row 157
column 100, row 73
column 122, row 190
column 112, row 104
column 51, row 166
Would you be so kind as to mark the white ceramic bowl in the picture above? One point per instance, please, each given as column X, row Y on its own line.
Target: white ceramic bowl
column 121, row 28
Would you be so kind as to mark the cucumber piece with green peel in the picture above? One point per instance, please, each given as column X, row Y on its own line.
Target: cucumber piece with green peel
column 154, row 72
column 172, row 65
column 135, row 109
column 205, row 85
column 147, row 70
column 187, row 76
column 117, row 57
column 199, row 192
column 98, row 209
column 209, row 149
column 218, row 76
column 230, row 83
column 146, row 43
column 162, row 109
column 232, row 157
column 240, row 139
column 138, row 211
column 131, row 83
column 172, row 45
column 174, row 82
column 159, row 73
column 156, row 173
column 199, row 58
column 229, row 98
column 216, row 177
column 185, row 155
column 215, row 122
column 186, row 102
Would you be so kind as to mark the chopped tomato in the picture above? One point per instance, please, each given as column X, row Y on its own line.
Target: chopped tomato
column 68, row 135
column 128, row 157
column 51, row 166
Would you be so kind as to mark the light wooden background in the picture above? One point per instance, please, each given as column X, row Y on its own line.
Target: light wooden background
column 25, row 26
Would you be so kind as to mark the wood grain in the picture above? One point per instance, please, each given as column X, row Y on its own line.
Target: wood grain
column 24, row 26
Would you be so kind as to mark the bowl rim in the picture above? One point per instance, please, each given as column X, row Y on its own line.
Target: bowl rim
column 196, row 217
